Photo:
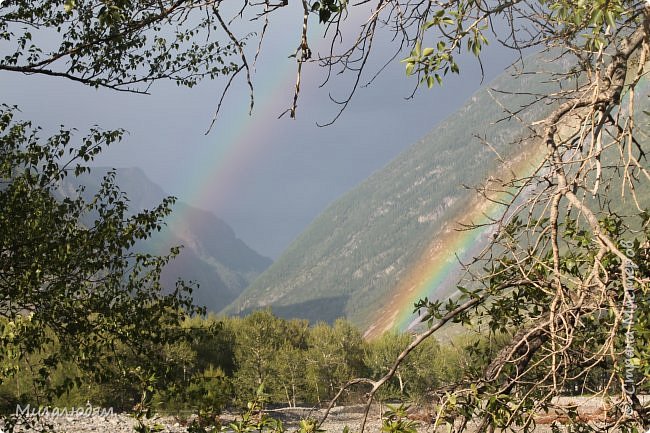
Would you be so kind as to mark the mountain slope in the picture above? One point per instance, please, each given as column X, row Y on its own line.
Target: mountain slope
column 350, row 258
column 212, row 255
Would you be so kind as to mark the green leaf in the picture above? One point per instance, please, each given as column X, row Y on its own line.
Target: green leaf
column 410, row 68
column 597, row 18
column 68, row 5
column 324, row 15
column 609, row 17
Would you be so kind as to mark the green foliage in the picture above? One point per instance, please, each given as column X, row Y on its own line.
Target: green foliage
column 589, row 25
column 75, row 294
column 395, row 420
column 293, row 363
column 259, row 337
column 309, row 426
column 125, row 44
column 142, row 412
column 328, row 9
column 220, row 362
column 254, row 419
column 335, row 355
column 591, row 22
column 420, row 372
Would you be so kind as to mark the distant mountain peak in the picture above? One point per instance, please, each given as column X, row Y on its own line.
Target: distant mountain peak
column 212, row 255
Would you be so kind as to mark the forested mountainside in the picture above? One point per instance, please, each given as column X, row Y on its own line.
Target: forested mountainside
column 347, row 262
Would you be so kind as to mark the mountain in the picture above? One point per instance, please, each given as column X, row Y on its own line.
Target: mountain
column 352, row 257
column 212, row 255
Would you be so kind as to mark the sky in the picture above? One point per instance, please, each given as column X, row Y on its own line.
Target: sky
column 268, row 178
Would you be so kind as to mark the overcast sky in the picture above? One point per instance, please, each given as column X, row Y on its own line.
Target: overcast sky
column 267, row 178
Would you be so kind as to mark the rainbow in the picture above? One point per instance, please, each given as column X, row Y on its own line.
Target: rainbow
column 234, row 145
column 437, row 272
column 239, row 139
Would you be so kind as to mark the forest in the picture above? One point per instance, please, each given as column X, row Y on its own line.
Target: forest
column 227, row 362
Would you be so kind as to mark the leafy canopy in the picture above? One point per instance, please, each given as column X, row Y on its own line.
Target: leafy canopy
column 73, row 290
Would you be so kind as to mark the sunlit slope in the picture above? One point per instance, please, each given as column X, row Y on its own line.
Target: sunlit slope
column 350, row 260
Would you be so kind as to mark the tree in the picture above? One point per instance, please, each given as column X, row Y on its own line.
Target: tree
column 290, row 361
column 290, row 364
column 259, row 338
column 335, row 355
column 381, row 354
column 205, row 364
column 123, row 45
column 74, row 293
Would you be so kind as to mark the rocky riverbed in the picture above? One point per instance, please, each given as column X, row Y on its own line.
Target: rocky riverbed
column 338, row 419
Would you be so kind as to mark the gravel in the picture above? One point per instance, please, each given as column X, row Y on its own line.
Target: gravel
column 339, row 418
